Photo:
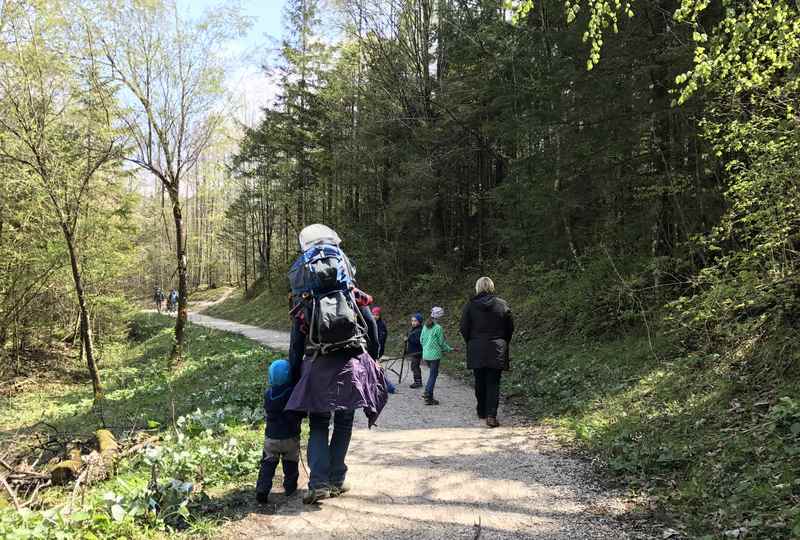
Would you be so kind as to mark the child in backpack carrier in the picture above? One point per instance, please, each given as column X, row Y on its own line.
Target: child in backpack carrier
column 282, row 434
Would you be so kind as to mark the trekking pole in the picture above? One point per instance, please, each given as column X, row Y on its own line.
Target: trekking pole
column 403, row 361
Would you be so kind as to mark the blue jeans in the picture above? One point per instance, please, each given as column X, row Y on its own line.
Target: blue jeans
column 433, row 366
column 326, row 459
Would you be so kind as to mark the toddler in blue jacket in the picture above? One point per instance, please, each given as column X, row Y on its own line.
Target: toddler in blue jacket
column 282, row 433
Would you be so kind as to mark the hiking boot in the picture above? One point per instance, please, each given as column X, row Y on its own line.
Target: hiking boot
column 314, row 495
column 492, row 422
column 262, row 497
column 341, row 489
column 430, row 401
column 415, row 385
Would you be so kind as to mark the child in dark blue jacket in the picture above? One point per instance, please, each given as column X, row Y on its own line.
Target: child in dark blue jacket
column 414, row 349
column 383, row 331
column 282, row 434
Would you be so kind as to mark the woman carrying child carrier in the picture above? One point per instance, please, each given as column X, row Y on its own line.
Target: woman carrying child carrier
column 334, row 373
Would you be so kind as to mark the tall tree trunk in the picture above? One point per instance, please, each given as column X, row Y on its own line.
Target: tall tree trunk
column 86, row 329
column 180, row 251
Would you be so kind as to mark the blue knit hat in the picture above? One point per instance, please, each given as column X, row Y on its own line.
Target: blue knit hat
column 418, row 316
column 279, row 372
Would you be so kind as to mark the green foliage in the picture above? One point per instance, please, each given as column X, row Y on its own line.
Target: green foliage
column 199, row 454
column 211, row 444
column 714, row 440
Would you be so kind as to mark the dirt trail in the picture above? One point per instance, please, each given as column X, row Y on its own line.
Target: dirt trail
column 439, row 473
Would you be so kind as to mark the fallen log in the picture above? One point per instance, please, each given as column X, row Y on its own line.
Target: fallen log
column 67, row 470
column 108, row 447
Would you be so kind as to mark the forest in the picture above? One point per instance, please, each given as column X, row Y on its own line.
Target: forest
column 625, row 171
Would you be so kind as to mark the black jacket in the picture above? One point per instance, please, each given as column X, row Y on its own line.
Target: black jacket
column 487, row 326
column 413, row 345
column 280, row 424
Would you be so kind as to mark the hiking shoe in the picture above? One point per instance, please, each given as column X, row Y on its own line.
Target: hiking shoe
column 290, row 490
column 341, row 489
column 415, row 385
column 431, row 401
column 313, row 495
column 262, row 497
column 492, row 422
column 481, row 417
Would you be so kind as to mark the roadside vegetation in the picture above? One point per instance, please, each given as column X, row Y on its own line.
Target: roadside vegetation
column 190, row 435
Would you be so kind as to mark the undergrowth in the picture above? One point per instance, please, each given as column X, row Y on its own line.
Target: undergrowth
column 205, row 413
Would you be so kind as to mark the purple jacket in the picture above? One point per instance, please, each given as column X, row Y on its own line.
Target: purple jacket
column 340, row 381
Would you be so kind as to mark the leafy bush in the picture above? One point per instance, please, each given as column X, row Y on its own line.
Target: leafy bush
column 200, row 453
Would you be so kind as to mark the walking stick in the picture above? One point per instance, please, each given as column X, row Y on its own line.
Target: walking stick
column 403, row 362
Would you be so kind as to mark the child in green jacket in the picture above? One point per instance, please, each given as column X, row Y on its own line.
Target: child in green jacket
column 434, row 345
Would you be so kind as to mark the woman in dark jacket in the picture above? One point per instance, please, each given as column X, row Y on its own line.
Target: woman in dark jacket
column 487, row 327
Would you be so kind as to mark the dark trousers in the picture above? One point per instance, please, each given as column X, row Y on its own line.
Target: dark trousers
column 266, row 472
column 326, row 456
column 416, row 359
column 487, row 391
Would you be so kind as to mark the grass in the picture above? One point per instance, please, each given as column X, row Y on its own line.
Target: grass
column 716, row 451
column 207, row 294
column 268, row 309
column 222, row 375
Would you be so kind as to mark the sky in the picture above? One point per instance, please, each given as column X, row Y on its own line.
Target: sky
column 247, row 81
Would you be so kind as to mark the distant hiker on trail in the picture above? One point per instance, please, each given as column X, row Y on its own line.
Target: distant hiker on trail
column 383, row 332
column 487, row 326
column 434, row 345
column 281, row 434
column 332, row 371
column 172, row 301
column 413, row 349
column 158, row 298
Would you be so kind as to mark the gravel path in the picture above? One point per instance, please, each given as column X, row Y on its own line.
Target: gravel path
column 438, row 473
column 274, row 339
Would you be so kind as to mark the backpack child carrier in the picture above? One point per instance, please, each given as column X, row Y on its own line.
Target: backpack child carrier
column 322, row 286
